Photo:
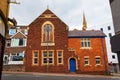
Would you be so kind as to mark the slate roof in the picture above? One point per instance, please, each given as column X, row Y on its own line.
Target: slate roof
column 85, row 33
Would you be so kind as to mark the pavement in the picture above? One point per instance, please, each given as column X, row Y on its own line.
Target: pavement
column 113, row 75
column 116, row 74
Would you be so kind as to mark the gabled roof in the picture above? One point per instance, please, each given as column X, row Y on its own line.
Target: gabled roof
column 19, row 34
column 85, row 33
column 48, row 14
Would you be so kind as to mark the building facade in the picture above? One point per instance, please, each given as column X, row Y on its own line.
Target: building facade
column 15, row 49
column 116, row 18
column 3, row 30
column 51, row 47
column 108, row 29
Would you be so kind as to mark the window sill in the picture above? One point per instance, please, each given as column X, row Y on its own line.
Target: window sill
column 60, row 64
column 47, row 44
column 34, row 64
column 98, row 65
column 18, row 46
column 15, row 62
column 87, row 65
column 48, row 64
column 85, row 48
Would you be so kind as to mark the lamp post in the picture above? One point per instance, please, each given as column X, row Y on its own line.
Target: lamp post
column 47, row 37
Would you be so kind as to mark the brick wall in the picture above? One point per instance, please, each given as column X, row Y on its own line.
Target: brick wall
column 96, row 50
column 15, row 68
column 62, row 42
column 34, row 43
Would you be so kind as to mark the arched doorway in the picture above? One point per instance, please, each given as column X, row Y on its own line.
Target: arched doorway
column 72, row 65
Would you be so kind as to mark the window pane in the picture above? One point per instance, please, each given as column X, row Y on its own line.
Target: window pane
column 36, row 54
column 45, row 60
column 12, row 31
column 85, row 44
column 86, row 61
column 97, row 60
column 20, row 42
column 35, row 60
column 88, row 44
column 59, row 60
column 59, row 53
column 8, row 44
column 50, row 53
column 82, row 44
column 48, row 28
column 113, row 56
column 109, row 28
column 45, row 54
column 50, row 60
column 25, row 31
column 101, row 29
column 110, row 34
column 17, row 58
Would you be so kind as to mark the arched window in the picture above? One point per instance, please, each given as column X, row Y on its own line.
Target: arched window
column 48, row 34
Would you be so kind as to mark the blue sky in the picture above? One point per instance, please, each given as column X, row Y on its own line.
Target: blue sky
column 97, row 12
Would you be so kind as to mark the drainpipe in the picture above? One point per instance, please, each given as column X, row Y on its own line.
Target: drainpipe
column 104, row 57
column 2, row 47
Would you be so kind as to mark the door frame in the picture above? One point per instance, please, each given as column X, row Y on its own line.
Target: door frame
column 69, row 63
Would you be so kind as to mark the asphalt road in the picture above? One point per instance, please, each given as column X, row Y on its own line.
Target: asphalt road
column 14, row 76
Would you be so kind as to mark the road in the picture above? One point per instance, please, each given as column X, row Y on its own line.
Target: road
column 20, row 76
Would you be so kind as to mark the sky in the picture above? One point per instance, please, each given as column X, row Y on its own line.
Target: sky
column 97, row 12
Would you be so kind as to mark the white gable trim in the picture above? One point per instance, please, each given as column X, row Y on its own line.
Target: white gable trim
column 17, row 33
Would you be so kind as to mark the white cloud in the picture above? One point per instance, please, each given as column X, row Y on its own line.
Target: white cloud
column 70, row 11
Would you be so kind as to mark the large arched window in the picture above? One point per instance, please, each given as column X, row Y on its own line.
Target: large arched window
column 47, row 33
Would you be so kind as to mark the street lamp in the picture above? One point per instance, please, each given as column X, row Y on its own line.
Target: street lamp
column 47, row 37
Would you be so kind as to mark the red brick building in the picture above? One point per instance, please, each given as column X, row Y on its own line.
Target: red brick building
column 89, row 46
column 15, row 48
column 15, row 45
column 51, row 47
